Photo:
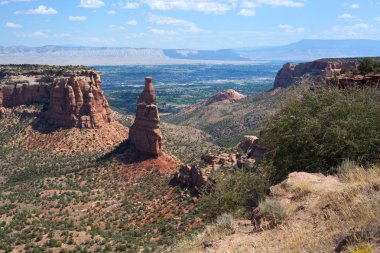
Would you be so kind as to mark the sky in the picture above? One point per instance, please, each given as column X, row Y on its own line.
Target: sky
column 194, row 24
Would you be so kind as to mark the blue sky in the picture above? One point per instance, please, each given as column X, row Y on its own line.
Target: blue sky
column 198, row 24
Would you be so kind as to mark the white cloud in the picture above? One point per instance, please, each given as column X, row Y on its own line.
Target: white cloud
column 111, row 12
column 355, row 6
column 91, row 3
column 129, row 5
column 38, row 34
column 41, row 10
column 363, row 26
column 205, row 6
column 116, row 28
column 10, row 1
column 162, row 32
column 77, row 18
column 347, row 16
column 377, row 18
column 286, row 3
column 247, row 12
column 291, row 29
column 132, row 22
column 186, row 25
column 249, row 7
column 12, row 25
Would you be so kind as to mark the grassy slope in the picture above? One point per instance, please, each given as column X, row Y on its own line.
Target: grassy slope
column 343, row 218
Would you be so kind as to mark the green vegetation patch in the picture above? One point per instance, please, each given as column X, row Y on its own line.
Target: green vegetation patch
column 323, row 129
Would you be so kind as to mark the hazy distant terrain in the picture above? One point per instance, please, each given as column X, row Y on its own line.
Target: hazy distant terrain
column 304, row 50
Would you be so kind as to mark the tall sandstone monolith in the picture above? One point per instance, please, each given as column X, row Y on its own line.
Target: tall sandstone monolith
column 145, row 132
column 78, row 101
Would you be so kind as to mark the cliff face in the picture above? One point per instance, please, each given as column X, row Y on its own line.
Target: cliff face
column 20, row 94
column 74, row 94
column 145, row 132
column 317, row 71
column 78, row 101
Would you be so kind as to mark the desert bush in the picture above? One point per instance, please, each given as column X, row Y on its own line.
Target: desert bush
column 233, row 192
column 226, row 222
column 321, row 130
column 274, row 212
column 368, row 65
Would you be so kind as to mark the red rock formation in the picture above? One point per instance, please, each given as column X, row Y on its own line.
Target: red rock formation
column 78, row 101
column 145, row 132
column 19, row 94
column 1, row 97
column 317, row 70
column 350, row 80
column 227, row 96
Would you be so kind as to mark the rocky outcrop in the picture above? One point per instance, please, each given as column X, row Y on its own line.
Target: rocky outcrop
column 12, row 95
column 227, row 96
column 191, row 176
column 78, row 101
column 252, row 147
column 351, row 80
column 73, row 94
column 316, row 71
column 145, row 132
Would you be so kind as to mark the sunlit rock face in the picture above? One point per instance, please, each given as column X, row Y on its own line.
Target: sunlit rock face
column 78, row 101
column 145, row 132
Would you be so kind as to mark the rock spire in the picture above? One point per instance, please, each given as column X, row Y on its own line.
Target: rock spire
column 145, row 132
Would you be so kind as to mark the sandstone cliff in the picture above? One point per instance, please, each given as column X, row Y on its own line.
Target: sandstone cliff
column 74, row 95
column 145, row 132
column 78, row 101
column 316, row 71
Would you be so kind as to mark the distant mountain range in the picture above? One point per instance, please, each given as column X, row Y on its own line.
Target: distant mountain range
column 304, row 50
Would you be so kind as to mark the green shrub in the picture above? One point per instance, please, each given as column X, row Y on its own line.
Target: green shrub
column 233, row 192
column 323, row 129
column 368, row 65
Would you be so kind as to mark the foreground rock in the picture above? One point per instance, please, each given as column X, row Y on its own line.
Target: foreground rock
column 145, row 132
column 78, row 101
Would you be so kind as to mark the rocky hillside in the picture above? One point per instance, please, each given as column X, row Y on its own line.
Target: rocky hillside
column 228, row 96
column 78, row 187
column 227, row 123
column 305, row 213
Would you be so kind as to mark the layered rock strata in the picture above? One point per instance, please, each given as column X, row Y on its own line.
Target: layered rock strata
column 78, row 101
column 145, row 132
column 316, row 71
column 73, row 94
column 12, row 95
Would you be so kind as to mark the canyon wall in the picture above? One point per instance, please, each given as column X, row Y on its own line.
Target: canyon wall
column 74, row 95
column 315, row 71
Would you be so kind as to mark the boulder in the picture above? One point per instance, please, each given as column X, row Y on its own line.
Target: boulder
column 78, row 101
column 252, row 147
column 145, row 132
column 191, row 176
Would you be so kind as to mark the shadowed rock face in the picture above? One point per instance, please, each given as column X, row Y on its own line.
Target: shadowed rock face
column 78, row 101
column 145, row 132
column 20, row 94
